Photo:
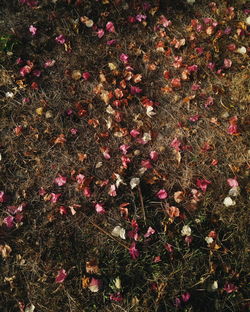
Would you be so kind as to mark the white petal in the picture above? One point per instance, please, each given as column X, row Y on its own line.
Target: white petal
column 234, row 191
column 134, row 182
column 228, row 202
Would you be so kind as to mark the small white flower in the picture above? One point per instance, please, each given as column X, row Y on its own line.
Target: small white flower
column 209, row 240
column 248, row 20
column 234, row 191
column 229, row 202
column 214, row 286
column 186, row 230
column 190, row 1
column 147, row 137
column 117, row 283
column 134, row 182
column 242, row 50
column 150, row 111
column 118, row 180
column 9, row 94
column 119, row 231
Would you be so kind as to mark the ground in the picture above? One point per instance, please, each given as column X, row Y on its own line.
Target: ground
column 124, row 156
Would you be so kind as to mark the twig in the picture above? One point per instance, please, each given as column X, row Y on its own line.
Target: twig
column 142, row 204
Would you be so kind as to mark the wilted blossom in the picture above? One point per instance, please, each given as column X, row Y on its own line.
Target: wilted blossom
column 209, row 101
column 233, row 127
column 111, row 42
column 9, row 221
column 150, row 232
column 100, row 33
column 169, row 247
column 134, row 133
column 112, row 191
column 116, row 297
column 124, row 58
column 176, row 144
column 32, row 30
column 110, row 27
column 154, row 155
column 185, row 297
column 162, row 194
column 140, row 17
column 60, row 180
column 55, row 197
column 202, row 184
column 134, row 252
column 2, row 197
column 124, row 148
column 227, row 63
column 229, row 288
column 25, row 70
column 60, row 39
column 99, row 208
column 86, row 75
column 49, row 63
column 61, row 275
column 232, row 182
column 186, row 230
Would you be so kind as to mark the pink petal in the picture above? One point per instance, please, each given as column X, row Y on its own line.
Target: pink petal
column 162, row 194
column 134, row 133
column 62, row 274
column 232, row 182
column 134, row 252
column 100, row 33
column 124, row 148
column 111, row 42
column 202, row 184
column 112, row 191
column 60, row 180
column 150, row 232
column 100, row 209
column 146, row 164
column 33, row 30
column 95, row 284
column 85, row 75
column 87, row 192
column 135, row 90
column 124, row 58
column 116, row 297
column 49, row 63
column 60, row 39
column 176, row 144
column 9, row 221
column 154, row 155
column 80, row 178
column 110, row 27
column 2, row 197
column 55, row 197
column 227, row 63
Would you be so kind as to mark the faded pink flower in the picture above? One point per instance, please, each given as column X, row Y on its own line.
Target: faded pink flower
column 95, row 284
column 124, row 58
column 229, row 288
column 62, row 210
column 185, row 297
column 202, row 184
column 194, row 118
column 116, row 297
column 164, row 21
column 135, row 90
column 9, row 221
column 111, row 42
column 110, row 27
column 60, row 180
column 209, row 101
column 176, row 144
column 25, row 70
column 232, row 182
column 146, row 164
column 134, row 252
column 80, row 178
column 227, row 63
column 140, row 17
column 32, row 30
column 106, row 153
column 162, row 194
column 100, row 209
column 100, row 33
column 125, row 161
column 124, row 148
column 154, row 155
column 60, row 39
column 49, row 63
column 112, row 191
column 73, row 131
column 233, row 127
column 192, row 68
column 61, row 275
column 86, row 75
column 134, row 133
column 2, row 197
column 169, row 248
column 87, row 192
column 150, row 232
column 55, row 197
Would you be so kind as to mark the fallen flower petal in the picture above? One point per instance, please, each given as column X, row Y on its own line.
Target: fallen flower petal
column 62, row 274
column 9, row 221
column 176, row 144
column 116, row 297
column 55, row 197
column 110, row 27
column 124, row 58
column 32, row 30
column 60, row 180
column 232, row 182
column 112, row 191
column 185, row 297
column 186, row 230
column 229, row 202
column 150, row 232
column 229, row 288
column 95, row 285
column 162, row 194
column 202, row 184
column 60, row 39
column 134, row 252
column 118, row 231
column 100, row 209
column 134, row 182
column 2, row 197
